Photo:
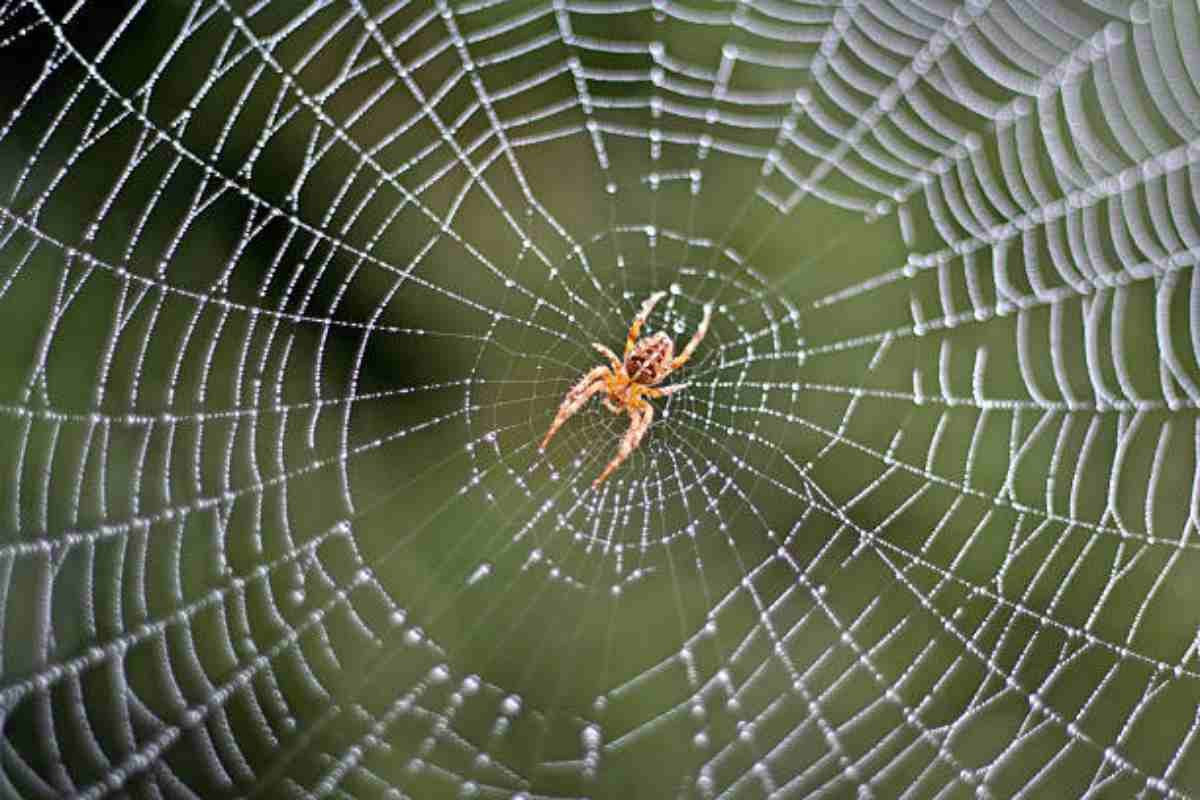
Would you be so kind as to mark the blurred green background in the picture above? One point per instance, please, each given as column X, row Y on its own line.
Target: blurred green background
column 286, row 315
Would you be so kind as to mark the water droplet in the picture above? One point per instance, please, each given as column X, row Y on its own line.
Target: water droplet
column 591, row 737
column 481, row 572
column 511, row 705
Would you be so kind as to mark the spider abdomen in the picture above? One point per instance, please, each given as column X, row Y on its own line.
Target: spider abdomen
column 650, row 361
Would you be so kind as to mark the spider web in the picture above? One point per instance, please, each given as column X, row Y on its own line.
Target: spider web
column 291, row 293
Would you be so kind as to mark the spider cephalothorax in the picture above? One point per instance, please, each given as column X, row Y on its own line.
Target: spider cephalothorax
column 647, row 363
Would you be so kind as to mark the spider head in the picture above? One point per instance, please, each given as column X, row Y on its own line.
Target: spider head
column 650, row 360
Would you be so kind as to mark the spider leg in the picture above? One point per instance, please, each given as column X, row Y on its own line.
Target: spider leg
column 664, row 391
column 640, row 419
column 611, row 356
column 679, row 360
column 575, row 399
column 635, row 329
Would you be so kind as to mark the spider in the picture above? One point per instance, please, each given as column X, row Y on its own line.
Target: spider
column 647, row 363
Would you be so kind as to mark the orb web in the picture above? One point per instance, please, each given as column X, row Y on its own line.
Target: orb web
column 292, row 292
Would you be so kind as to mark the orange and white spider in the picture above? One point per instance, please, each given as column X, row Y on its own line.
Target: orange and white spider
column 647, row 363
